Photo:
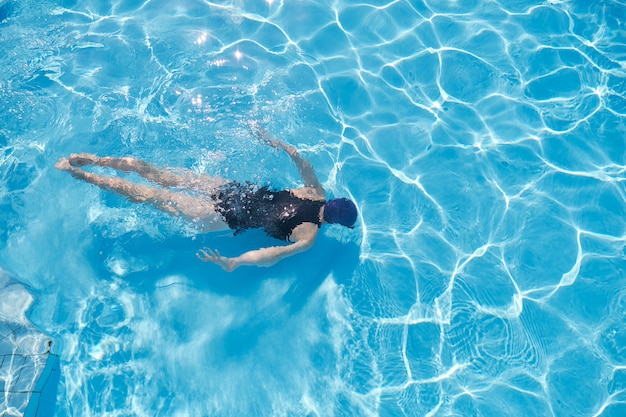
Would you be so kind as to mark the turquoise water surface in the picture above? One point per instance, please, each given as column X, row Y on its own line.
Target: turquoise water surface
column 483, row 142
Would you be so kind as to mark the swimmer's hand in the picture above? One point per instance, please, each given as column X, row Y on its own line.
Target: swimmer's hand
column 265, row 137
column 262, row 135
column 208, row 255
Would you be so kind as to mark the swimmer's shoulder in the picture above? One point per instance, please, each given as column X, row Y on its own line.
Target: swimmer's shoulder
column 309, row 193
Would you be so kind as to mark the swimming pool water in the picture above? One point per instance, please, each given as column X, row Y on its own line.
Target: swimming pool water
column 483, row 142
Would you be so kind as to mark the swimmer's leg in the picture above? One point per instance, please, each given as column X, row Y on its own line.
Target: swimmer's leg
column 164, row 177
column 195, row 209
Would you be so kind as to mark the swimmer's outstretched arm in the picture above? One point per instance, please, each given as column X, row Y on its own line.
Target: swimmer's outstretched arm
column 264, row 256
column 304, row 167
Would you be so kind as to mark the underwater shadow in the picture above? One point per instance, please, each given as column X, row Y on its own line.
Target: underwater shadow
column 327, row 258
column 339, row 259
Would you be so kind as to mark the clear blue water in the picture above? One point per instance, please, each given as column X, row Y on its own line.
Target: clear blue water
column 484, row 142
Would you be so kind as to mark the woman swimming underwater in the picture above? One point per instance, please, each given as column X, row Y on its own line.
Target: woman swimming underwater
column 217, row 204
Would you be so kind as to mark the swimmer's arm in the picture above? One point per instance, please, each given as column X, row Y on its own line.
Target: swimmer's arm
column 305, row 237
column 304, row 167
column 258, row 257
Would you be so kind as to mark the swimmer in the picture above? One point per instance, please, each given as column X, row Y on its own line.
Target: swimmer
column 216, row 204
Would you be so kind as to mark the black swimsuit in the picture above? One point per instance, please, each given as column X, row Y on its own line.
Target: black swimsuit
column 246, row 206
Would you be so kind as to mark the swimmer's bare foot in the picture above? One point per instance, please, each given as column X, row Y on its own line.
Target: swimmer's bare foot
column 82, row 159
column 63, row 165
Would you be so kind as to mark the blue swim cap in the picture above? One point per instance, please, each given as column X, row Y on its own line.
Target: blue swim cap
column 340, row 210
